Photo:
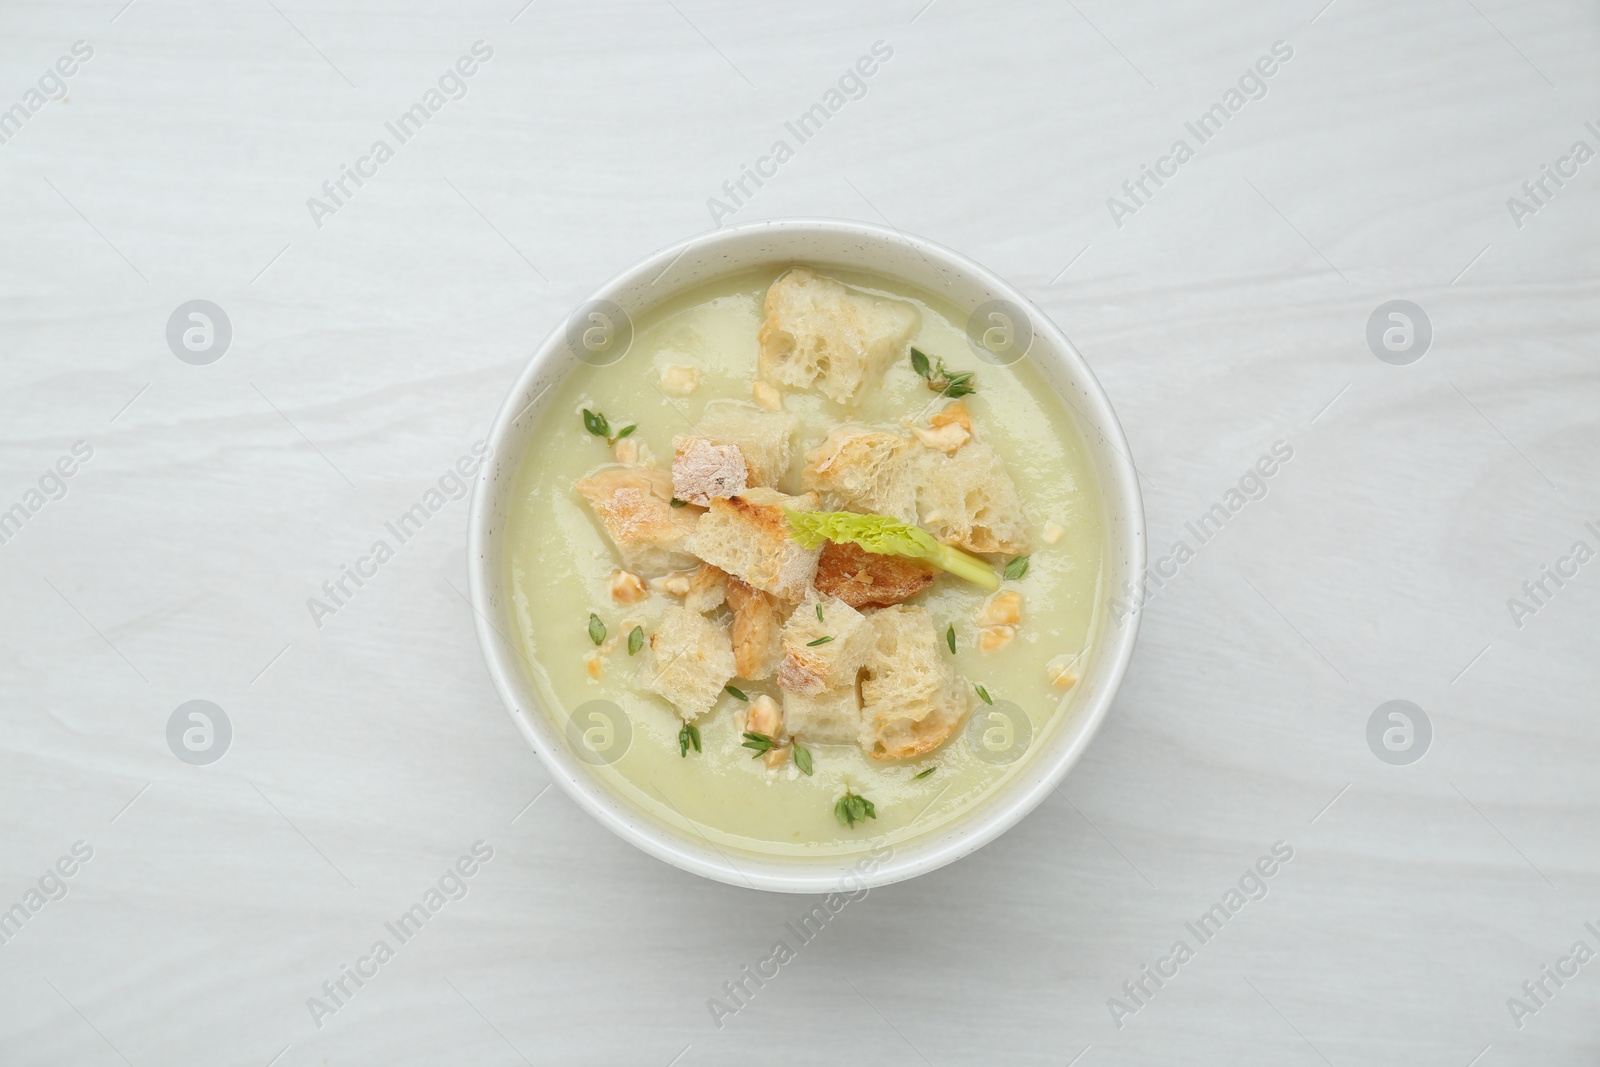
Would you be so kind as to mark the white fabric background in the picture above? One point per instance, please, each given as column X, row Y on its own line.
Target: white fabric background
column 369, row 353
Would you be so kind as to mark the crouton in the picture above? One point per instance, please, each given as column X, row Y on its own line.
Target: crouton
column 968, row 499
column 820, row 333
column 867, row 469
column 702, row 470
column 831, row 717
column 757, row 623
column 912, row 701
column 762, row 436
column 691, row 659
column 965, row 498
column 823, row 649
column 706, row 589
column 748, row 536
column 633, row 505
column 867, row 579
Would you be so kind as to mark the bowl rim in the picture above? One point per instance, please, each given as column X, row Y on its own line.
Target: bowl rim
column 986, row 820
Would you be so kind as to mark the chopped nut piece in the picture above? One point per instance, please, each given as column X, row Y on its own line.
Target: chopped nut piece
column 991, row 638
column 767, row 396
column 764, row 717
column 775, row 757
column 1061, row 673
column 954, row 414
column 594, row 663
column 627, row 450
column 671, row 585
column 627, row 588
column 680, row 380
column 1002, row 609
column 1053, row 532
column 946, row 438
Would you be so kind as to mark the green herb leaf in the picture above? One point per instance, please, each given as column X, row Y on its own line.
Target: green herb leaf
column 635, row 639
column 950, row 638
column 984, row 693
column 597, row 629
column 678, row 503
column 939, row 379
column 1016, row 568
column 924, row 774
column 851, row 809
column 735, row 692
column 819, row 641
column 802, row 759
column 596, row 424
column 819, row 614
column 625, row 431
column 760, row 742
column 689, row 735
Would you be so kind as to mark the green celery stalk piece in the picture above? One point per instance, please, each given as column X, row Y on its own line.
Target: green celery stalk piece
column 887, row 536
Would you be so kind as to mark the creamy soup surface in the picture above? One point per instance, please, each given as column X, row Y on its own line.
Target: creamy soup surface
column 562, row 566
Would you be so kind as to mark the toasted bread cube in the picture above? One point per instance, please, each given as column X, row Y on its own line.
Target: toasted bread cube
column 912, row 700
column 968, row 499
column 702, row 470
column 867, row 469
column 706, row 589
column 831, row 717
column 755, row 630
column 748, row 536
column 826, row 649
column 633, row 504
column 691, row 659
column 867, row 579
column 820, row 333
column 763, row 437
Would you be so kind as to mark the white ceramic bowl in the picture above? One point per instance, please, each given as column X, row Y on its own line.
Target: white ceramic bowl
column 923, row 265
